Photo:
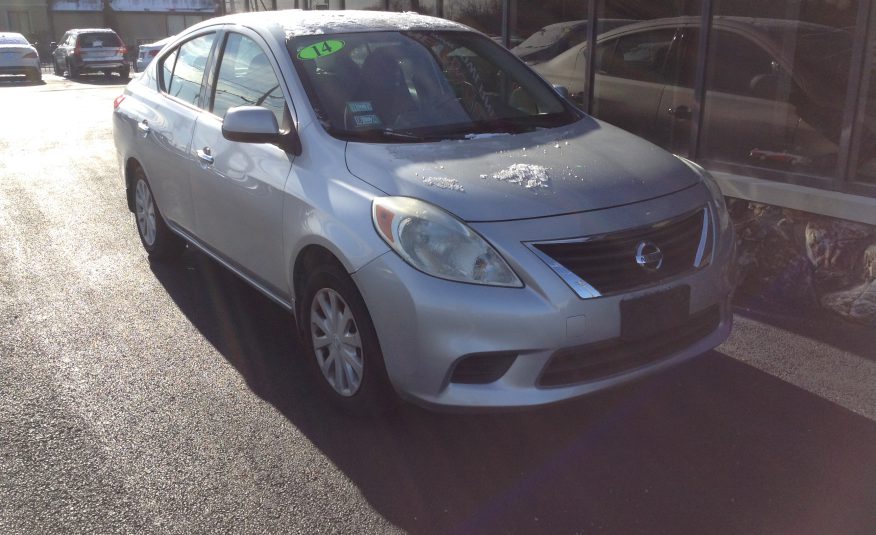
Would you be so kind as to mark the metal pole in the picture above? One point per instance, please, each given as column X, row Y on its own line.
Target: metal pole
column 506, row 23
column 696, row 126
column 590, row 81
column 855, row 94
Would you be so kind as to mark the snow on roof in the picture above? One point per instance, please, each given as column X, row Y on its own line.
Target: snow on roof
column 77, row 5
column 294, row 22
column 188, row 6
column 184, row 6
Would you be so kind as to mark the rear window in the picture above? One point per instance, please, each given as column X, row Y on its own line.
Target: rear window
column 98, row 40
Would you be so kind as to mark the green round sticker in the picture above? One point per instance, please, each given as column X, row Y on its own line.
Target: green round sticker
column 322, row 48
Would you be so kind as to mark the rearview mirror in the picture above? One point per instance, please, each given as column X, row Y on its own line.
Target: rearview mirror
column 563, row 91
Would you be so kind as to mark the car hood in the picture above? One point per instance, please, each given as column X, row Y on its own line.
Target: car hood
column 588, row 165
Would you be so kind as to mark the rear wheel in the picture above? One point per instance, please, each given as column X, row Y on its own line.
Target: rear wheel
column 34, row 75
column 341, row 343
column 72, row 71
column 125, row 72
column 57, row 68
column 158, row 240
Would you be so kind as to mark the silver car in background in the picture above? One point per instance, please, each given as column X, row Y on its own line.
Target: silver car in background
column 439, row 221
column 17, row 56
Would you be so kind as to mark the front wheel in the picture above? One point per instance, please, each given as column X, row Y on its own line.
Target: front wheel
column 158, row 240
column 341, row 343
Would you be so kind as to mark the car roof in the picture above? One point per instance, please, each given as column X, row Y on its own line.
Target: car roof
column 295, row 22
column 91, row 30
column 160, row 43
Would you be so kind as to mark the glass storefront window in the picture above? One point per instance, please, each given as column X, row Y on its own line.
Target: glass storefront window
column 645, row 56
column 482, row 15
column 777, row 77
column 864, row 154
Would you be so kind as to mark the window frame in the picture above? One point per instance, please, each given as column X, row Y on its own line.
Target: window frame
column 159, row 64
column 219, row 52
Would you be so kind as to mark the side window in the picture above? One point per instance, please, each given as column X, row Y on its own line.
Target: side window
column 246, row 78
column 185, row 80
column 738, row 64
column 639, row 56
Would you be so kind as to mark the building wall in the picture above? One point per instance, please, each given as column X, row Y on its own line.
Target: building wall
column 28, row 17
column 66, row 20
column 141, row 28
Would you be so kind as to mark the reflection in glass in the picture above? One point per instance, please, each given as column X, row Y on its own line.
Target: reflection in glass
column 864, row 156
column 777, row 76
column 645, row 56
column 482, row 15
column 246, row 78
column 424, row 7
column 188, row 71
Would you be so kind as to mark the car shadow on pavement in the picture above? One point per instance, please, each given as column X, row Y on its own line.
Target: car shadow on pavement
column 712, row 446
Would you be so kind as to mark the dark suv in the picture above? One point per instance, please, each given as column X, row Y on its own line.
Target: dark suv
column 91, row 50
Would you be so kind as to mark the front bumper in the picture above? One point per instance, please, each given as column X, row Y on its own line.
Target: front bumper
column 427, row 325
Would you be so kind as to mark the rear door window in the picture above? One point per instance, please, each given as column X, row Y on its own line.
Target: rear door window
column 183, row 69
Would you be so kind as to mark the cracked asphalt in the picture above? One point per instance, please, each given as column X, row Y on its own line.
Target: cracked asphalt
column 171, row 398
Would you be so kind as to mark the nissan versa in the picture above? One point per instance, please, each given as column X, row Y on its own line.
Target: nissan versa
column 439, row 220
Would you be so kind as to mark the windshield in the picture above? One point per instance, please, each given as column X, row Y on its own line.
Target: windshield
column 421, row 85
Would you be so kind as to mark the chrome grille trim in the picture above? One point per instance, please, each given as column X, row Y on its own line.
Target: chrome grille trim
column 585, row 290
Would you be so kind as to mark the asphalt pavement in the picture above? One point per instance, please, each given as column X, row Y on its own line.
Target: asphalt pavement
column 140, row 397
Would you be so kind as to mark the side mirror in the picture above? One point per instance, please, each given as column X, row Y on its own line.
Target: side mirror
column 563, row 91
column 254, row 124
column 769, row 86
column 53, row 45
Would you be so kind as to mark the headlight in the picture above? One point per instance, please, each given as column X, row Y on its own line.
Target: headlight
column 718, row 202
column 436, row 243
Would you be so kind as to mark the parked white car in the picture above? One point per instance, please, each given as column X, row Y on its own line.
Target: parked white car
column 18, row 57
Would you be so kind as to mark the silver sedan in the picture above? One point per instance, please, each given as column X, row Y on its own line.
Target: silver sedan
column 439, row 221
column 17, row 56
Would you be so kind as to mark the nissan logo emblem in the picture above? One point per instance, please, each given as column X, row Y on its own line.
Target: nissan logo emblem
column 649, row 256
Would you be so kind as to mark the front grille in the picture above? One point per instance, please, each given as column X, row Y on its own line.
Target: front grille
column 607, row 263
column 604, row 359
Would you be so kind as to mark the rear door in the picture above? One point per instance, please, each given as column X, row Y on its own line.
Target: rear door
column 167, row 121
column 237, row 188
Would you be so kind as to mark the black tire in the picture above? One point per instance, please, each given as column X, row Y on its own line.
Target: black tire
column 57, row 68
column 34, row 75
column 125, row 73
column 165, row 244
column 72, row 71
column 374, row 394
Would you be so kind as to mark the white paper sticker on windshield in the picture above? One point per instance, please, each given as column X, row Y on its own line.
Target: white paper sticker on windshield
column 367, row 120
column 360, row 107
column 97, row 44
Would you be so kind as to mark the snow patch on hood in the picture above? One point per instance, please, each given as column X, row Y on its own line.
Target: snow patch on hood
column 444, row 183
column 527, row 175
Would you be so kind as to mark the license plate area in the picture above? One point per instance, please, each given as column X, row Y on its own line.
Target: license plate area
column 650, row 314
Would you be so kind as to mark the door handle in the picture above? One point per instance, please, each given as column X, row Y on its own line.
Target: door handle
column 682, row 113
column 143, row 127
column 205, row 156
